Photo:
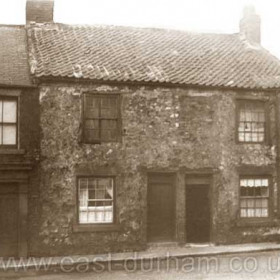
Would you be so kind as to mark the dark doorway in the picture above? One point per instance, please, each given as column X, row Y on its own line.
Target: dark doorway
column 9, row 202
column 161, row 207
column 197, row 213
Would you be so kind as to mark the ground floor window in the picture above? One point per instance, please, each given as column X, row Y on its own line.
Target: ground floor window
column 96, row 200
column 254, row 197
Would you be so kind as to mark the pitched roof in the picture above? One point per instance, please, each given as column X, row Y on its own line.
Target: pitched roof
column 110, row 53
column 14, row 68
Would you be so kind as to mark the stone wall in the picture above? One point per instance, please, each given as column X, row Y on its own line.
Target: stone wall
column 164, row 129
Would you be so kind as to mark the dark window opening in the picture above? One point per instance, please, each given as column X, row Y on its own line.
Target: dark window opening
column 101, row 118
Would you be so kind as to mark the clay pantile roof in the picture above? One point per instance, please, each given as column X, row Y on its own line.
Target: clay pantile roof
column 109, row 53
column 14, row 67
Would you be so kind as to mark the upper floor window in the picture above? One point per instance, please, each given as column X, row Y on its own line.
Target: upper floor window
column 254, row 197
column 96, row 200
column 251, row 121
column 8, row 122
column 101, row 118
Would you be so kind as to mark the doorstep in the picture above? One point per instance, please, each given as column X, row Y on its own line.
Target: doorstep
column 152, row 253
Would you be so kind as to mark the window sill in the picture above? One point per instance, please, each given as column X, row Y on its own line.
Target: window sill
column 261, row 144
column 95, row 228
column 8, row 151
column 256, row 223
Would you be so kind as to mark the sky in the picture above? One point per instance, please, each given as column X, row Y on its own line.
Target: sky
column 215, row 16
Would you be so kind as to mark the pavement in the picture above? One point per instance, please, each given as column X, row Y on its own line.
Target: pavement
column 154, row 252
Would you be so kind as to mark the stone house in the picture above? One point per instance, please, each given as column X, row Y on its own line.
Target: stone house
column 138, row 136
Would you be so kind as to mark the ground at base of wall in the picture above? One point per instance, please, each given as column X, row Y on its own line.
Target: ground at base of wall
column 153, row 253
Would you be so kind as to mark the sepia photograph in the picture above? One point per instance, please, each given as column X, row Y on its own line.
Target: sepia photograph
column 139, row 139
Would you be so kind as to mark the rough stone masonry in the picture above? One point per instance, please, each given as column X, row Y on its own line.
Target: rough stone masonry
column 164, row 129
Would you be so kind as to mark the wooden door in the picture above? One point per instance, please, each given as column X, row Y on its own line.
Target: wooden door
column 161, row 208
column 197, row 213
column 8, row 220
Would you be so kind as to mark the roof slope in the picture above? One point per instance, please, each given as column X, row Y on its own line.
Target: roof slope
column 14, row 67
column 111, row 53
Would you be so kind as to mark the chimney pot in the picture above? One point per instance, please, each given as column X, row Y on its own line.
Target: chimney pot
column 250, row 25
column 39, row 11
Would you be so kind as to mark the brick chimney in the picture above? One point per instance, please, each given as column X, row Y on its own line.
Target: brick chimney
column 250, row 25
column 39, row 11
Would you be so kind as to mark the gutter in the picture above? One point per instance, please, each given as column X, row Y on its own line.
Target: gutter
column 59, row 80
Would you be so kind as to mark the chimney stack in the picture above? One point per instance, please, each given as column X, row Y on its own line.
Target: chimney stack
column 250, row 25
column 39, row 11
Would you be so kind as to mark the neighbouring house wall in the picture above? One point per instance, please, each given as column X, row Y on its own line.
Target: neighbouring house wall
column 18, row 166
column 164, row 129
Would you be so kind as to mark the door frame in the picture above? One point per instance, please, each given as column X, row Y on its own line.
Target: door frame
column 201, row 179
column 161, row 174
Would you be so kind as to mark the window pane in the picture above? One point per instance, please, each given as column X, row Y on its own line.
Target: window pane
column 243, row 203
column 261, row 117
column 83, row 183
column 251, row 212
column 251, row 183
column 261, row 137
column 83, row 217
column 91, row 107
column 242, row 115
column 258, row 212
column 265, row 182
column 264, row 212
column 254, row 137
column 83, row 197
column 248, row 116
column 243, row 191
column 243, row 213
column 243, row 183
column 264, row 191
column 100, row 214
column 109, row 192
column 92, row 183
column 250, row 203
column 92, row 135
column 109, row 124
column 91, row 124
column 92, row 130
column 100, row 193
column 109, row 135
column 109, row 130
column 9, row 135
column 248, row 137
column 258, row 203
column 108, row 107
column 241, row 137
column 258, row 127
column 10, row 111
